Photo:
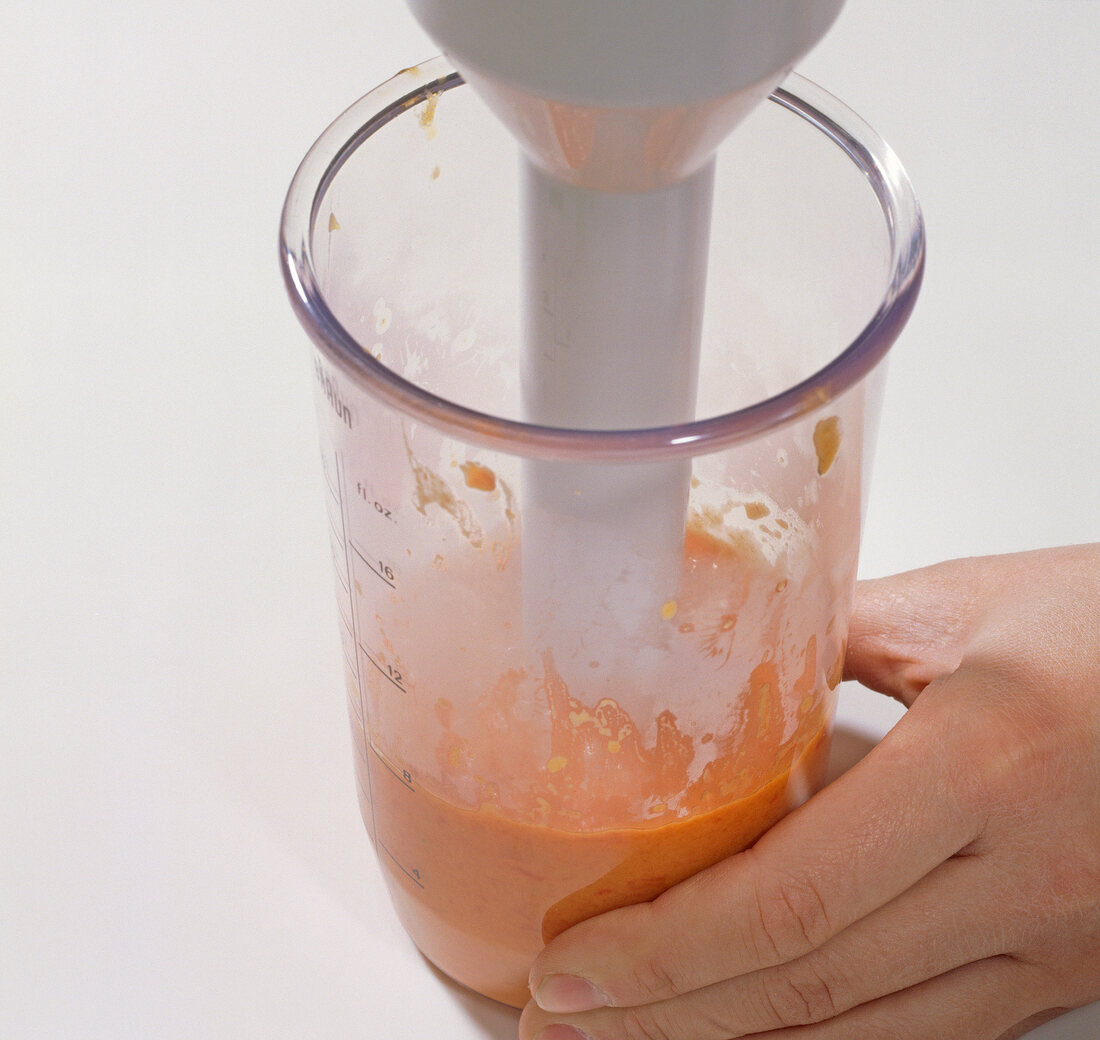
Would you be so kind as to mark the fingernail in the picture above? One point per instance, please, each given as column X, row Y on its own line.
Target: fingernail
column 565, row 994
column 561, row 1032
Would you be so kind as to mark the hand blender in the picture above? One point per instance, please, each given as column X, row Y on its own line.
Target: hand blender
column 618, row 107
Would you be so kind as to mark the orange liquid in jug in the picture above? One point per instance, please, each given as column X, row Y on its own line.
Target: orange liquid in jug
column 480, row 889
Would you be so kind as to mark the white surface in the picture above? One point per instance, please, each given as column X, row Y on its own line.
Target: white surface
column 180, row 852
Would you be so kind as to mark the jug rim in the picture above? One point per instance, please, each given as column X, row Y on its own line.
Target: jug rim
column 862, row 144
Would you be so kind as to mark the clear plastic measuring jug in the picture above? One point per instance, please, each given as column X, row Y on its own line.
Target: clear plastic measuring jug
column 513, row 786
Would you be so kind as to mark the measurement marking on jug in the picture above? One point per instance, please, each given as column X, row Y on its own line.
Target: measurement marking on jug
column 386, row 671
column 345, row 542
column 399, row 774
column 347, row 649
column 343, row 584
column 330, row 388
column 412, row 875
column 379, row 568
column 337, row 534
column 383, row 511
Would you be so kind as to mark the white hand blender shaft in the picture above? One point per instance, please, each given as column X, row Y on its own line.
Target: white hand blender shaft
column 618, row 106
column 611, row 342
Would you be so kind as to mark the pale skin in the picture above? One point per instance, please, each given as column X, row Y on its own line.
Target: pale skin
column 947, row 886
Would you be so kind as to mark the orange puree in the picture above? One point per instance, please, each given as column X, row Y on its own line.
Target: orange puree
column 492, row 891
column 538, row 808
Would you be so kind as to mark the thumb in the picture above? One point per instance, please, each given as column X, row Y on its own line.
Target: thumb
column 912, row 628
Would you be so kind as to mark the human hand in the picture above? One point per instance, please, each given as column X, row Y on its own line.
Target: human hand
column 947, row 886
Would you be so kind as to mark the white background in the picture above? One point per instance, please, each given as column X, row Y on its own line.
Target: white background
column 180, row 849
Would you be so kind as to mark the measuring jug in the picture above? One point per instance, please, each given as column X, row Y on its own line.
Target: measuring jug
column 513, row 785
